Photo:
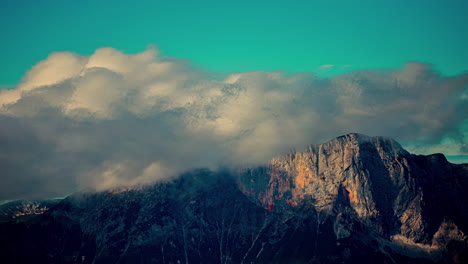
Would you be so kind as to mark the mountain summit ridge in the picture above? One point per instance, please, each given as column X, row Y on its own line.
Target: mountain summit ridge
column 359, row 139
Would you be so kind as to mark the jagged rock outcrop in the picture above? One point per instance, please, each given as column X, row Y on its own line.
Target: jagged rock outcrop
column 354, row 199
column 383, row 186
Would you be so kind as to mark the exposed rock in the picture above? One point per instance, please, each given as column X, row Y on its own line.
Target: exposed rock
column 21, row 210
column 387, row 188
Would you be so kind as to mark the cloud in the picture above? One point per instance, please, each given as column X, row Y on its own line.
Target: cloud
column 326, row 66
column 112, row 119
column 458, row 159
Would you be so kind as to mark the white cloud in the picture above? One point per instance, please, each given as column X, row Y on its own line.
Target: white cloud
column 112, row 119
column 326, row 66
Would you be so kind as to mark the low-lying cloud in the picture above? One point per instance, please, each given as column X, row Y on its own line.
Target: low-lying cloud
column 112, row 119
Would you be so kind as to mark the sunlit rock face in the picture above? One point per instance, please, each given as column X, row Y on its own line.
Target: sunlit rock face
column 354, row 199
column 382, row 185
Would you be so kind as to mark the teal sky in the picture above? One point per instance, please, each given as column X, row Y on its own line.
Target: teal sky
column 240, row 35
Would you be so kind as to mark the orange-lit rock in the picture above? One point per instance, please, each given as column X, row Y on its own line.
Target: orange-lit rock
column 385, row 186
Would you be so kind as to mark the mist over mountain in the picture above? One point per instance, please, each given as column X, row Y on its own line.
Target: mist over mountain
column 114, row 119
column 354, row 199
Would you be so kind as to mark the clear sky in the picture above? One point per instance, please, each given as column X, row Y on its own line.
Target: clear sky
column 227, row 36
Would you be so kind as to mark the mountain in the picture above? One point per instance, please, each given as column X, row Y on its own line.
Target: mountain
column 354, row 199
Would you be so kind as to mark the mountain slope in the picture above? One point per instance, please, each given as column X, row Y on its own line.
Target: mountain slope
column 354, row 199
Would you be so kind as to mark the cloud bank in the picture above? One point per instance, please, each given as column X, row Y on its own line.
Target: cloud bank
column 113, row 119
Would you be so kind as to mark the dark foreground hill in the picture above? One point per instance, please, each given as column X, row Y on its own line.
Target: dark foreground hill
column 354, row 199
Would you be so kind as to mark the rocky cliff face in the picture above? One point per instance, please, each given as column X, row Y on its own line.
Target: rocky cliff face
column 410, row 198
column 354, row 199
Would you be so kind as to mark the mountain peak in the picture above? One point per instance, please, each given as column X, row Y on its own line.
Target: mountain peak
column 383, row 145
column 374, row 178
column 352, row 163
